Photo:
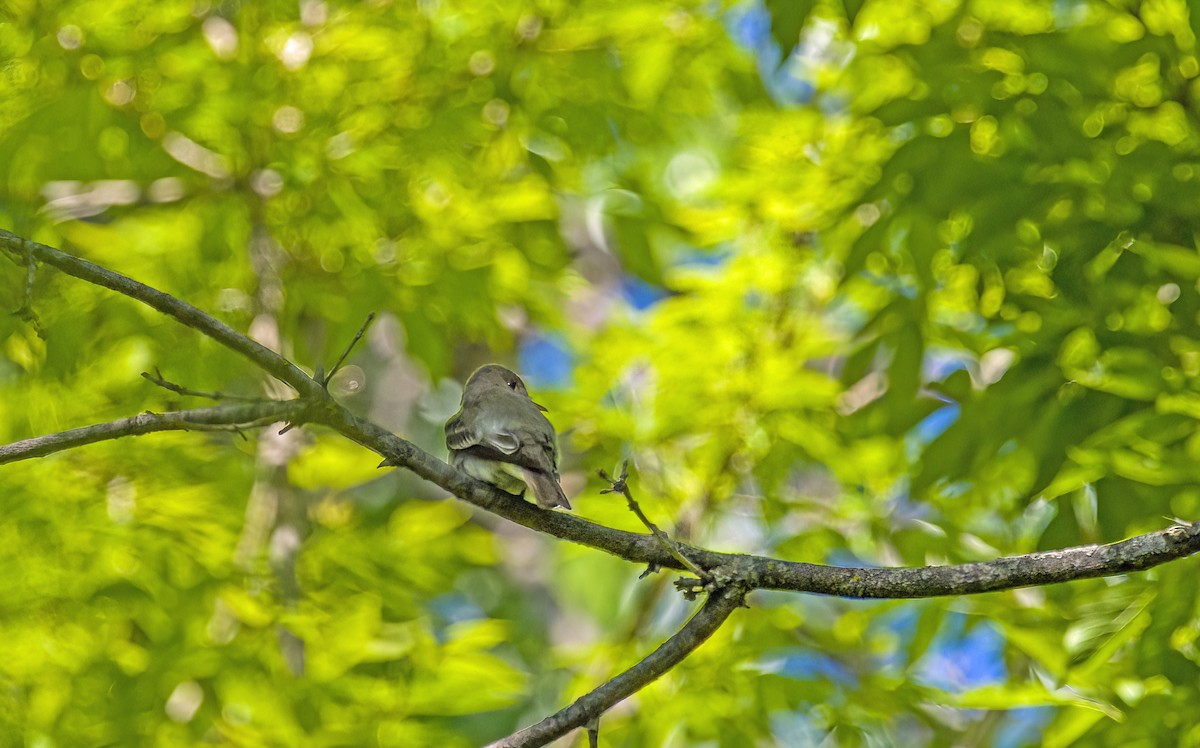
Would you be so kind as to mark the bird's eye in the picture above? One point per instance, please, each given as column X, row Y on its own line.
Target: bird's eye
column 512, row 385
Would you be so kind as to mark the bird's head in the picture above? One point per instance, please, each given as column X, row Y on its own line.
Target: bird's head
column 494, row 377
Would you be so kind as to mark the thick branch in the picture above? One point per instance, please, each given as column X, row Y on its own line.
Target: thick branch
column 591, row 705
column 224, row 417
column 266, row 359
column 1047, row 567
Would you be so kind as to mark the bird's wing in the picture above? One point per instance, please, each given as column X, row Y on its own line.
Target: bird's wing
column 537, row 451
column 539, row 458
column 464, row 433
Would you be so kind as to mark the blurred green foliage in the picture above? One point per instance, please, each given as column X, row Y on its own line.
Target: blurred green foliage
column 923, row 289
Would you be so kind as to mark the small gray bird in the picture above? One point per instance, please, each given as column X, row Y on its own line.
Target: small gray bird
column 499, row 436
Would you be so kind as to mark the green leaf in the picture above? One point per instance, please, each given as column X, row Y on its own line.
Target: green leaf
column 1010, row 696
column 787, row 20
column 635, row 250
column 852, row 7
column 1071, row 725
column 466, row 684
column 1044, row 647
column 1128, row 626
column 333, row 463
column 928, row 625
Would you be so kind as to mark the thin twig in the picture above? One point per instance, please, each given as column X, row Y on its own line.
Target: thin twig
column 219, row 418
column 25, row 311
column 720, row 604
column 621, row 486
column 358, row 336
column 156, row 378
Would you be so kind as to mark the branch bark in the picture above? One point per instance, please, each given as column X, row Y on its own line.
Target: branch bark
column 762, row 572
column 218, row 418
column 708, row 619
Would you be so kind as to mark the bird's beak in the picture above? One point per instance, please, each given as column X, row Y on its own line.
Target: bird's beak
column 541, row 407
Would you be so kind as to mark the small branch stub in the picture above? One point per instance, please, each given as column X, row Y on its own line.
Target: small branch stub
column 690, row 587
column 593, row 733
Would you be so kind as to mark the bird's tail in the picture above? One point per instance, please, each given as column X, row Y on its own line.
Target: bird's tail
column 546, row 490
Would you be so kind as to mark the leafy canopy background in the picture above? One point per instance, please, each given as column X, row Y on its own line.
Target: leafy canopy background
column 922, row 289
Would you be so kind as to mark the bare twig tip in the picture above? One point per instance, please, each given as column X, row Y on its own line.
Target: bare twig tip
column 325, row 379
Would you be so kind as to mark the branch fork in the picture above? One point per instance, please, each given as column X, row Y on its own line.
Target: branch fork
column 620, row 485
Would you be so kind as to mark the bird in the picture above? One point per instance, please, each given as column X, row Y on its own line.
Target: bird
column 499, row 436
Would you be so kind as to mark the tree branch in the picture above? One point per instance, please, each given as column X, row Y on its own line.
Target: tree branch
column 1083, row 562
column 266, row 359
column 726, row 576
column 708, row 619
column 224, row 417
column 1047, row 567
column 179, row 389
